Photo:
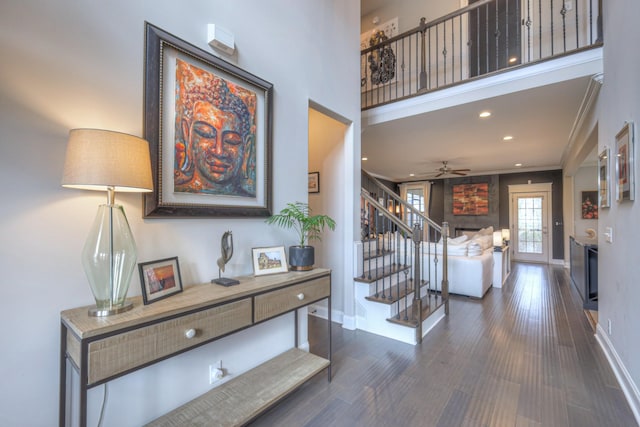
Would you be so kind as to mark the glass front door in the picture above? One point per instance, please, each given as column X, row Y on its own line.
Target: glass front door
column 530, row 237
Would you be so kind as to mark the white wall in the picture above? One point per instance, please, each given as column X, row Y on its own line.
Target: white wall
column 409, row 12
column 619, row 269
column 73, row 63
column 326, row 155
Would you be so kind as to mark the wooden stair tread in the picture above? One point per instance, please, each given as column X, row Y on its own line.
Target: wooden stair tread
column 377, row 254
column 396, row 291
column 427, row 306
column 381, row 272
column 243, row 398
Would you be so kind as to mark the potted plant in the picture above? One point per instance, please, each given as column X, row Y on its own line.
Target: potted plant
column 309, row 227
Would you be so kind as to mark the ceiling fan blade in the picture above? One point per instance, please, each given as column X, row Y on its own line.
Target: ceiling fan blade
column 459, row 173
column 440, row 174
column 462, row 170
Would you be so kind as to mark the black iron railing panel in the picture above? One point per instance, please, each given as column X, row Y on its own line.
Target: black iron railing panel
column 485, row 37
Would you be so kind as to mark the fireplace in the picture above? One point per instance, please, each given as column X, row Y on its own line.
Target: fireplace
column 458, row 231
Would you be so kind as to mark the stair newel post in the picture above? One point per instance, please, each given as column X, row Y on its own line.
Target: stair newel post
column 417, row 299
column 375, row 237
column 383, row 251
column 445, row 267
column 364, row 224
column 404, row 264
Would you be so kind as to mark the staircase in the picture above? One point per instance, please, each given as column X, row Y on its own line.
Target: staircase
column 395, row 258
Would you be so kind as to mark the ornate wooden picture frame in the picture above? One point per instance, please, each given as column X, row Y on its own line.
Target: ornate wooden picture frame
column 209, row 127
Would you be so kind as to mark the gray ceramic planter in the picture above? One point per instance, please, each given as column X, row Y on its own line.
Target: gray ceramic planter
column 301, row 258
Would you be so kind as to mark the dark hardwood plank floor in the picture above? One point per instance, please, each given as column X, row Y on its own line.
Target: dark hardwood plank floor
column 524, row 355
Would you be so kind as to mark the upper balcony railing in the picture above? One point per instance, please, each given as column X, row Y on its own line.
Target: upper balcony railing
column 485, row 37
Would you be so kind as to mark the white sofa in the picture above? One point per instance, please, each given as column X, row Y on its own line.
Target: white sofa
column 470, row 275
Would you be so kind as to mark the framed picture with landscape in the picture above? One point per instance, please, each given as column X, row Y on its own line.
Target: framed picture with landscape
column 209, row 128
column 160, row 279
column 269, row 260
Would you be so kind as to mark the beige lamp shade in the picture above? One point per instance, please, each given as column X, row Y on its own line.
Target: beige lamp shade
column 101, row 159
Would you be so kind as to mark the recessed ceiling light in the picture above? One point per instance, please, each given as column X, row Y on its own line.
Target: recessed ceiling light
column 485, row 114
column 518, row 165
column 365, row 158
column 412, row 174
column 507, row 138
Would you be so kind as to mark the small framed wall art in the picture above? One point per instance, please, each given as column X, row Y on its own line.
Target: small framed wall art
column 604, row 194
column 589, row 204
column 314, row 182
column 625, row 163
column 269, row 260
column 159, row 279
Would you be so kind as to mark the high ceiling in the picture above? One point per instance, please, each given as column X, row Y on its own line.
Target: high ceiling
column 539, row 120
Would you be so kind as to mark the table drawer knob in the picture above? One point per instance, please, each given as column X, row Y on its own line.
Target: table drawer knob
column 300, row 296
column 190, row 333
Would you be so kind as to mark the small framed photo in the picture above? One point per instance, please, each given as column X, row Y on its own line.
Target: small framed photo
column 625, row 164
column 159, row 279
column 269, row 260
column 604, row 194
column 314, row 182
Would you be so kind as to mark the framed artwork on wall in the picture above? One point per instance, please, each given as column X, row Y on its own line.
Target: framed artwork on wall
column 314, row 182
column 625, row 163
column 604, row 194
column 471, row 199
column 589, row 204
column 209, row 127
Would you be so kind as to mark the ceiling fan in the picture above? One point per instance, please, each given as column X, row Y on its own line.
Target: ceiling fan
column 445, row 170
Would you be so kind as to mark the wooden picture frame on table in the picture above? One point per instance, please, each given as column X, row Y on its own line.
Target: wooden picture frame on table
column 269, row 260
column 190, row 95
column 159, row 279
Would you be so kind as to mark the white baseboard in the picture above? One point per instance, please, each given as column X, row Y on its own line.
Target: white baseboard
column 629, row 388
column 322, row 312
column 349, row 322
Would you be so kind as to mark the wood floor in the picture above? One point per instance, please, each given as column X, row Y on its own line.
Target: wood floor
column 524, row 355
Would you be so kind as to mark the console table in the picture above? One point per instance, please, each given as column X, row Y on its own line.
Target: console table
column 101, row 349
column 501, row 266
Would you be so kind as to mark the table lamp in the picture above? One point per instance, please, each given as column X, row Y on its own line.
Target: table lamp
column 506, row 235
column 108, row 161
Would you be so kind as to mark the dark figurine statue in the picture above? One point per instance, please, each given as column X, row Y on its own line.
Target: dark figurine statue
column 226, row 247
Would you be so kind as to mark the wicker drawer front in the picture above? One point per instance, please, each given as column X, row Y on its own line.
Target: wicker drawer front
column 119, row 353
column 277, row 302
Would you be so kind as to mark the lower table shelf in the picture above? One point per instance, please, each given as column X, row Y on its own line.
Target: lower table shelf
column 245, row 397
